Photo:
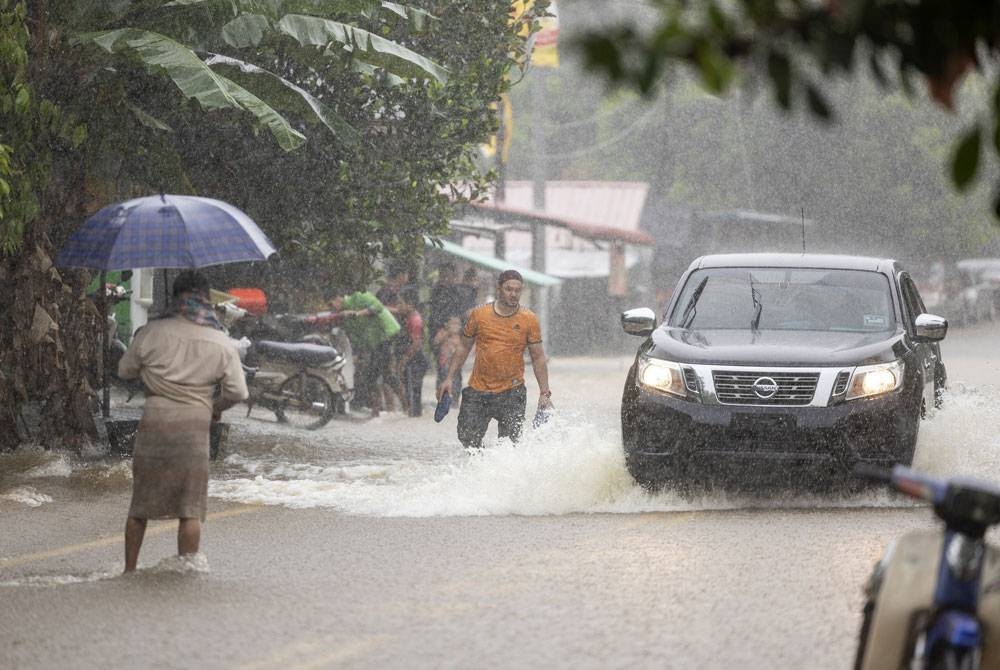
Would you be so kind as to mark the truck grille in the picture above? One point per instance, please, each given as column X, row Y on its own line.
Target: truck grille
column 737, row 387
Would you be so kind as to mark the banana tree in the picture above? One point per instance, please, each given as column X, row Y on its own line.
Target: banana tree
column 70, row 70
column 200, row 45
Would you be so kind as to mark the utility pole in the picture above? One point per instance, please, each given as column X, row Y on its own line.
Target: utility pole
column 540, row 296
column 500, row 237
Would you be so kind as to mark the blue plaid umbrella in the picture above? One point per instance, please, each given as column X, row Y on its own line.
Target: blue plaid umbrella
column 165, row 231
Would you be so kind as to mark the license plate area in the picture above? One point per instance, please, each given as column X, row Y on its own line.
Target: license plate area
column 762, row 426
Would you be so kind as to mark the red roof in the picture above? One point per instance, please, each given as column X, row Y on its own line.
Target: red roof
column 586, row 230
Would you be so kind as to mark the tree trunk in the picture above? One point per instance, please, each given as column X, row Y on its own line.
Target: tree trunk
column 50, row 346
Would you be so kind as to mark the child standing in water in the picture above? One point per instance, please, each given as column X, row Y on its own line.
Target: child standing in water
column 446, row 342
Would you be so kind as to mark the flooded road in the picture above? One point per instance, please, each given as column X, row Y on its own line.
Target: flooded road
column 381, row 543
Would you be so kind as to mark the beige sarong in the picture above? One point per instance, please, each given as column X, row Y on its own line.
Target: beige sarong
column 170, row 461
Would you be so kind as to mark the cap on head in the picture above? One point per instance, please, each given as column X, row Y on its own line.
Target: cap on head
column 507, row 275
column 191, row 281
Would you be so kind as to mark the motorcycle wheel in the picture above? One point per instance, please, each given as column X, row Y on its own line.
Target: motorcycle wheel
column 950, row 658
column 306, row 401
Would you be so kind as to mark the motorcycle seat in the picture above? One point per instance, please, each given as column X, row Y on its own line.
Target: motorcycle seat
column 298, row 352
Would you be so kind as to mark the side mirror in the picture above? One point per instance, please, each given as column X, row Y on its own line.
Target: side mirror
column 639, row 321
column 931, row 328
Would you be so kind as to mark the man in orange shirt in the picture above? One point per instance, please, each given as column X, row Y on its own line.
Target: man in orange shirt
column 500, row 331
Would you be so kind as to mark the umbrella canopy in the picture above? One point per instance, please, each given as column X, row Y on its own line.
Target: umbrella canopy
column 165, row 231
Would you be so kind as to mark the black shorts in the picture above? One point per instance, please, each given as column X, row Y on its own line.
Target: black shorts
column 480, row 407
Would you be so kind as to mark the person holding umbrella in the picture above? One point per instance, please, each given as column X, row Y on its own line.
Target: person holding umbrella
column 182, row 359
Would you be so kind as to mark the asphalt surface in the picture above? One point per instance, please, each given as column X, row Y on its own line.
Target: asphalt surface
column 381, row 544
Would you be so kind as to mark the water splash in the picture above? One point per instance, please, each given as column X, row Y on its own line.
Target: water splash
column 59, row 580
column 180, row 565
column 571, row 464
column 26, row 495
column 190, row 564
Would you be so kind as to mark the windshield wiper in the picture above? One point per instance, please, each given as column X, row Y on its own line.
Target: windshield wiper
column 758, row 306
column 689, row 310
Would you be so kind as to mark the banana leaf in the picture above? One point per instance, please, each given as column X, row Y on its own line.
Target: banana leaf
column 337, row 125
column 274, row 9
column 193, row 77
column 366, row 46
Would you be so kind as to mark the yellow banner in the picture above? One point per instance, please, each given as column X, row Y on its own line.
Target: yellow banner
column 544, row 42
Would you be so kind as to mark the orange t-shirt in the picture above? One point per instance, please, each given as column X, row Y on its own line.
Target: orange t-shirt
column 500, row 344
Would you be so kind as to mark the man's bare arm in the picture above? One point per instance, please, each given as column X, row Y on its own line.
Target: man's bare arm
column 541, row 367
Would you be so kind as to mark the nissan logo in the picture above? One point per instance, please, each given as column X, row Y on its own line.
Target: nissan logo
column 764, row 387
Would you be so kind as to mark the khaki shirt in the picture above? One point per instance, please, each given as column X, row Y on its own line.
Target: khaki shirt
column 182, row 361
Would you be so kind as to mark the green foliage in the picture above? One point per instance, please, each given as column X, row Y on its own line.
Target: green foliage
column 874, row 181
column 31, row 129
column 334, row 209
column 966, row 161
column 938, row 41
column 368, row 47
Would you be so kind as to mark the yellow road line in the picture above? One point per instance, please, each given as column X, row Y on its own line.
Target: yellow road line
column 309, row 652
column 157, row 528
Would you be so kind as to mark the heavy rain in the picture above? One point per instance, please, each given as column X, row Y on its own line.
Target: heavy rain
column 362, row 174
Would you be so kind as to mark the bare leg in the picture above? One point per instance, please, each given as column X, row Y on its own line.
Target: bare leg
column 376, row 400
column 135, row 529
column 387, row 398
column 188, row 536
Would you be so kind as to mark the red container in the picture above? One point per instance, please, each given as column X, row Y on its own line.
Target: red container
column 253, row 300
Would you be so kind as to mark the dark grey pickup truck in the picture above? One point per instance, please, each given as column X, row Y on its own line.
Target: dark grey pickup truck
column 783, row 359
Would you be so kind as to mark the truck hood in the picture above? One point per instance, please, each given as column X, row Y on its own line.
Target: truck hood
column 785, row 348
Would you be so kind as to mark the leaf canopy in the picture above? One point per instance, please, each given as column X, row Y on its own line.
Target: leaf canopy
column 193, row 77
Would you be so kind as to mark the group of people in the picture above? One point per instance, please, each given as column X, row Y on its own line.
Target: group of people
column 191, row 372
column 391, row 346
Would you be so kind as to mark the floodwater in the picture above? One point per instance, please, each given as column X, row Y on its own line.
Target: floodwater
column 397, row 466
column 381, row 543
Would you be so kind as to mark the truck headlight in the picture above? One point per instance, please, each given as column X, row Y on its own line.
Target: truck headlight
column 661, row 376
column 873, row 380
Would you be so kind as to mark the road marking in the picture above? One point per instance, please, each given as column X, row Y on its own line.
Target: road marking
column 672, row 518
column 157, row 528
column 282, row 657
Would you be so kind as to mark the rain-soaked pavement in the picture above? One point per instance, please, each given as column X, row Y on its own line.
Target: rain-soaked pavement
column 380, row 543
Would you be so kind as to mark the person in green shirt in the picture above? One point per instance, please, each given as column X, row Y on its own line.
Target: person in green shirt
column 370, row 326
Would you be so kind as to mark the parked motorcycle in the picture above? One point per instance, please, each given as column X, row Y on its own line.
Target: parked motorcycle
column 302, row 382
column 933, row 600
column 116, row 348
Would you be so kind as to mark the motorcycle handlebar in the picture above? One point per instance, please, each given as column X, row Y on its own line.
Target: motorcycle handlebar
column 868, row 471
column 909, row 482
column 967, row 504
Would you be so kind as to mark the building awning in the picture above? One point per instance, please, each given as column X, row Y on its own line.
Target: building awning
column 492, row 263
column 587, row 231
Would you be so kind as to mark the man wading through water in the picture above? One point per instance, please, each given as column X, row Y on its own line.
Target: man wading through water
column 180, row 359
column 500, row 330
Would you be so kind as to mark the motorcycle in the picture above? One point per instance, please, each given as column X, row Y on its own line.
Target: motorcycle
column 302, row 382
column 116, row 348
column 933, row 600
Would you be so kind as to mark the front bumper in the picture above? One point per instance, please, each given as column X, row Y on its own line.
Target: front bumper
column 664, row 428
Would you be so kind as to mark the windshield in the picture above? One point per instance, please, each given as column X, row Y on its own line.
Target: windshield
column 785, row 299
